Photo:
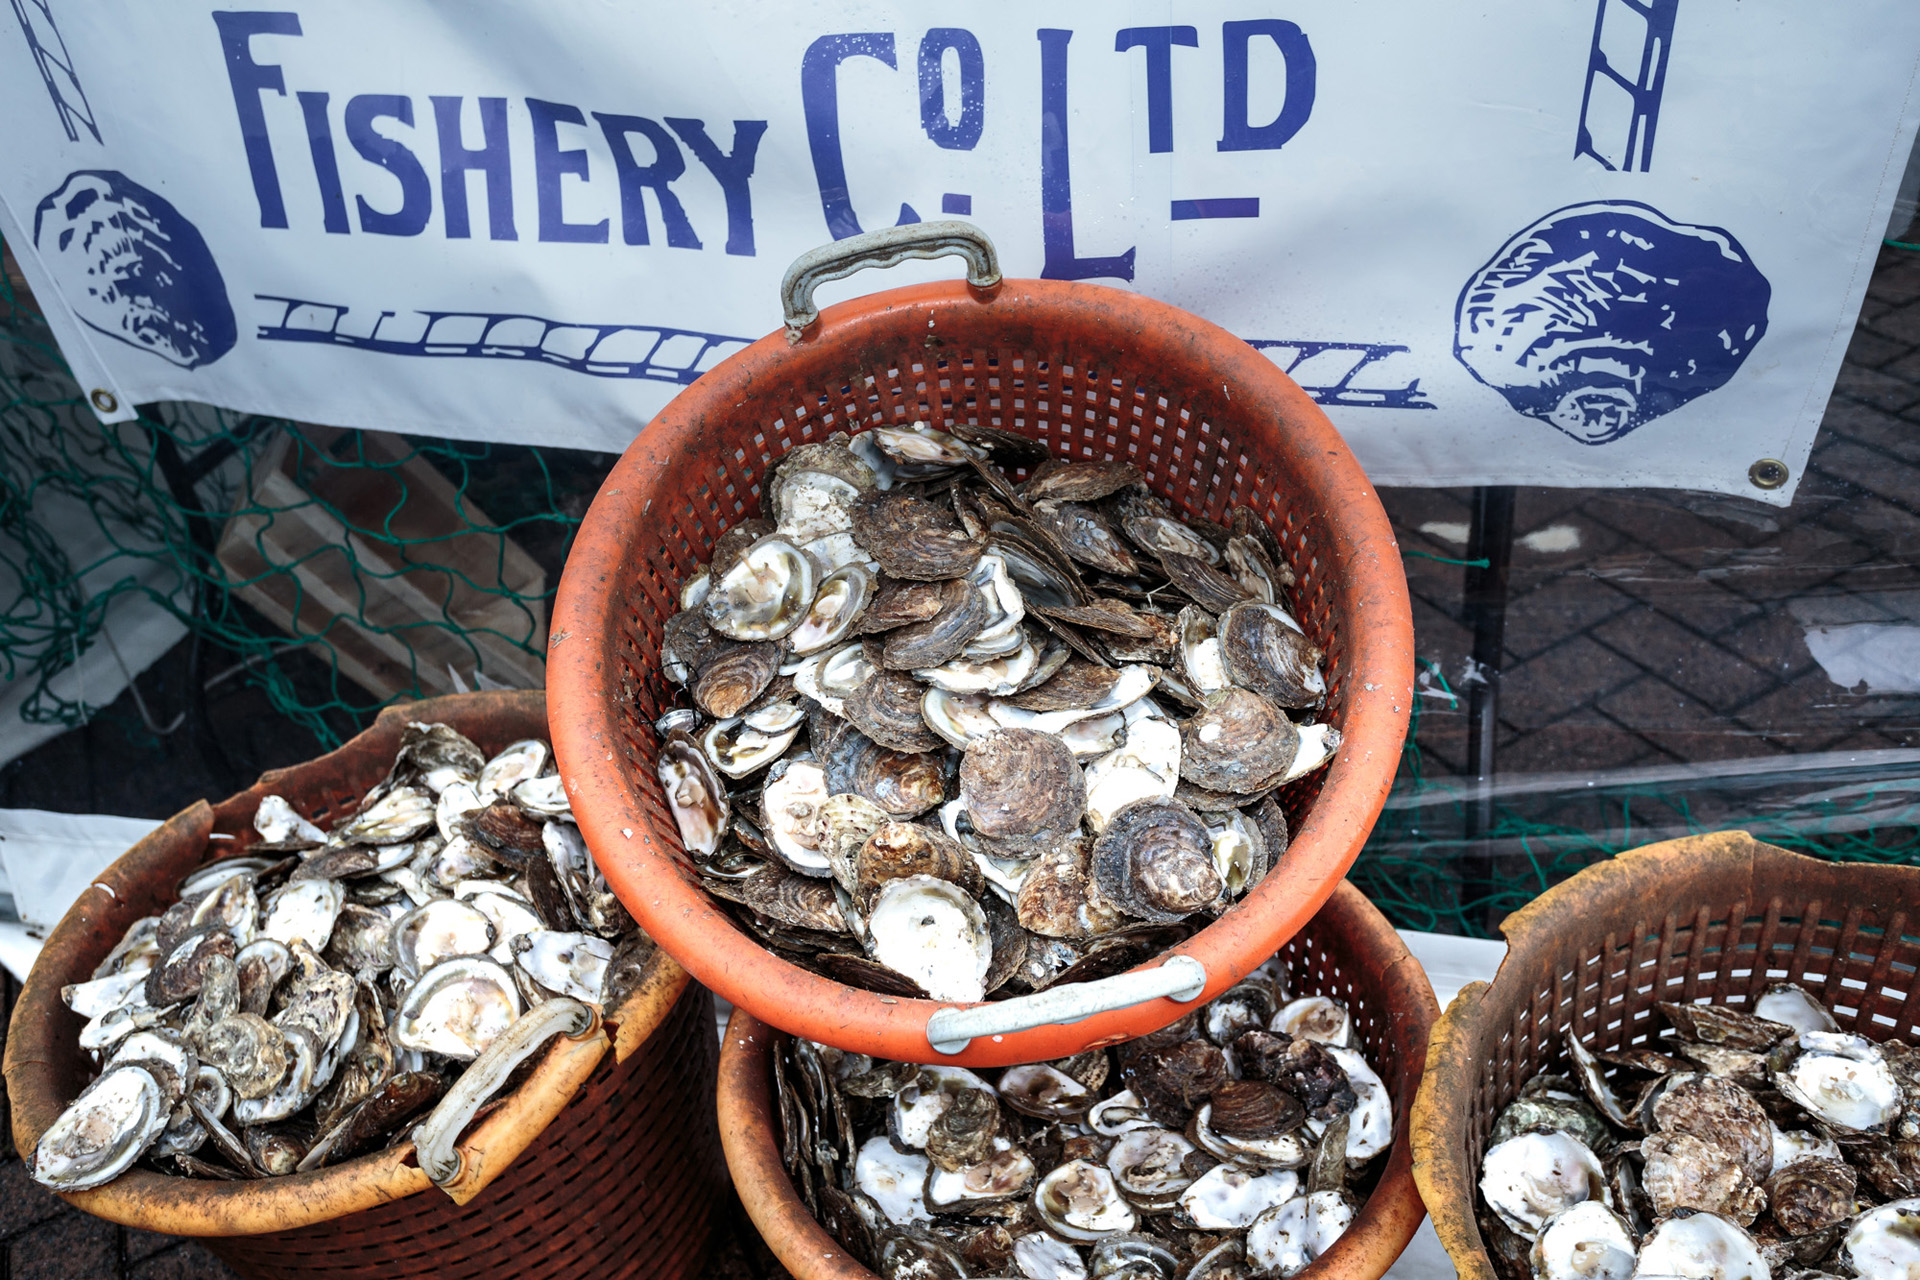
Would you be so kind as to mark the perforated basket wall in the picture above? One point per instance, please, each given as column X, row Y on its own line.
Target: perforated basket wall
column 1091, row 372
column 626, row 1183
column 1707, row 919
column 1347, row 951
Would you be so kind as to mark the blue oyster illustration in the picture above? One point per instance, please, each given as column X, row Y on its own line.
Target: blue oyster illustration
column 1601, row 317
column 132, row 267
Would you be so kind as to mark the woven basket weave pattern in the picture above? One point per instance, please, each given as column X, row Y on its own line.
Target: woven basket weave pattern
column 1081, row 405
column 1710, row 919
column 628, row 1182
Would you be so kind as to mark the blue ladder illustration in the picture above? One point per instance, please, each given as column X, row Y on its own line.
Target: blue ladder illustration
column 56, row 66
column 1353, row 357
column 604, row 350
column 1626, row 74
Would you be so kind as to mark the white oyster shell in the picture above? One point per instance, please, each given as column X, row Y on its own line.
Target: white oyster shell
column 1146, row 766
column 1528, row 1179
column 457, row 1008
column 103, row 1131
column 765, row 593
column 1701, row 1247
column 1228, row 1197
column 440, row 930
column 276, row 820
column 1885, row 1241
column 303, row 911
column 1079, row 1201
column 934, row 933
column 570, row 964
column 894, row 1179
column 1586, row 1242
column 1370, row 1128
column 1041, row 1257
column 1790, row 1005
column 1842, row 1079
column 1315, row 1018
column 791, row 805
column 515, row 764
column 1277, row 1240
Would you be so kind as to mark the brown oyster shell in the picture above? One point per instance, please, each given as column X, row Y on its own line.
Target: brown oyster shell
column 1082, row 480
column 1684, row 1172
column 1238, row 742
column 1173, row 1080
column 336, row 863
column 900, row 602
column 1058, row 898
column 1272, row 821
column 180, row 976
column 912, row 537
column 728, row 682
column 1811, row 1194
column 1303, row 1068
column 1255, row 1109
column 1102, row 614
column 1205, row 585
column 1076, row 685
column 1255, row 570
column 887, row 709
column 963, row 611
column 1088, row 536
column 1155, row 861
column 869, row 975
column 1891, row 1168
column 1719, row 1112
column 963, row 1134
column 1024, row 789
column 505, row 831
column 1266, row 655
column 905, row 784
column 900, row 849
column 783, row 896
column 1725, row 1028
column 686, row 642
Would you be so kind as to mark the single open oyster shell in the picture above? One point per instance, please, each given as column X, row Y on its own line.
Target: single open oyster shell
column 934, row 933
column 103, row 1131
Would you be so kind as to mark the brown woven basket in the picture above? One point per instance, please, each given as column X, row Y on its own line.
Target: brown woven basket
column 602, row 1164
column 1348, row 950
column 1713, row 917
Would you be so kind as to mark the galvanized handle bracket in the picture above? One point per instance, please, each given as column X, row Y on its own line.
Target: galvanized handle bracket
column 888, row 247
column 1181, row 978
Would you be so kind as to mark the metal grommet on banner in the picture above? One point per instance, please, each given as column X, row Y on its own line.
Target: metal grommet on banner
column 1768, row 473
column 104, row 400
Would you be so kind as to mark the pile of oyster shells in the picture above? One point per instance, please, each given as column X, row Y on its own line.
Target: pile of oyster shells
column 928, row 754
column 1238, row 1142
column 1739, row 1146
column 298, row 1004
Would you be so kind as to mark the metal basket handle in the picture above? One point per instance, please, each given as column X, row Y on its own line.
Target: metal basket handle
column 887, row 247
column 1181, row 978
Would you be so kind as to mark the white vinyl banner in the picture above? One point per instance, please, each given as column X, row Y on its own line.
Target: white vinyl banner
column 1584, row 242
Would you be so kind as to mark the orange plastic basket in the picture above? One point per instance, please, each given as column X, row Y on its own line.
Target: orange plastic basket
column 1093, row 373
column 1348, row 951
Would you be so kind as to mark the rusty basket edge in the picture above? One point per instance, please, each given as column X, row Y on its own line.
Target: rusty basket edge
column 1640, row 904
